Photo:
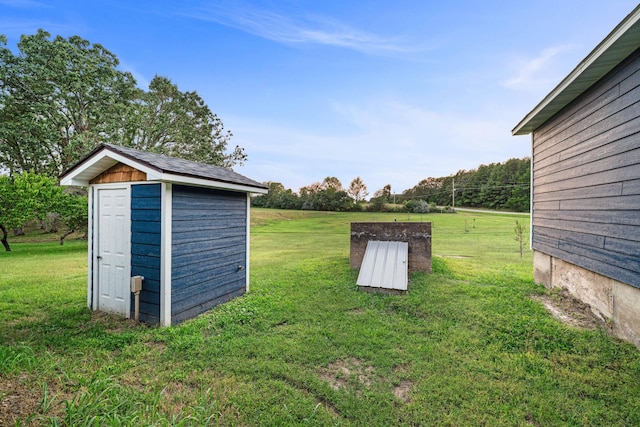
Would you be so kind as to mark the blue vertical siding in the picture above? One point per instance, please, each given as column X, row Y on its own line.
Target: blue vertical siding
column 145, row 247
column 208, row 252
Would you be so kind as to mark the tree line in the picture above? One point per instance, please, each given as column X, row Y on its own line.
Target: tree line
column 61, row 97
column 501, row 186
column 328, row 195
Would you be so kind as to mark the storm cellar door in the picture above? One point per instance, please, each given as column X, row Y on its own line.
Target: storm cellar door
column 113, row 236
column 385, row 265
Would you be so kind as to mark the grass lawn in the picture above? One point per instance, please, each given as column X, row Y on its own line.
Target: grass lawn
column 468, row 345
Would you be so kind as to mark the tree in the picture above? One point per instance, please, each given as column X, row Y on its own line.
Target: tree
column 333, row 183
column 427, row 189
column 331, row 200
column 24, row 198
column 384, row 193
column 60, row 97
column 380, row 199
column 307, row 194
column 520, row 236
column 327, row 195
column 277, row 198
column 73, row 211
column 357, row 190
column 179, row 124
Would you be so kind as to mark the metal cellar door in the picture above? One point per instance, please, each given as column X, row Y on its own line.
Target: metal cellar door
column 113, row 251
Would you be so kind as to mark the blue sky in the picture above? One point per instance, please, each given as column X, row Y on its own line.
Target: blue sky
column 393, row 92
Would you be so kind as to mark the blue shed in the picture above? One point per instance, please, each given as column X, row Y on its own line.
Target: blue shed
column 182, row 225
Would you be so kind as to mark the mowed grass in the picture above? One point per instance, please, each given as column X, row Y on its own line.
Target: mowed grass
column 466, row 346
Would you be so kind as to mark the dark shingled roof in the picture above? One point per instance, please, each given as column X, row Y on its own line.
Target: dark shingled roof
column 176, row 166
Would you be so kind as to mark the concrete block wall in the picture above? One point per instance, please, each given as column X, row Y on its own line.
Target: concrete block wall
column 609, row 299
column 416, row 234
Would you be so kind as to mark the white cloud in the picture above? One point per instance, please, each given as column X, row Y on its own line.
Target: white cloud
column 388, row 143
column 299, row 30
column 541, row 72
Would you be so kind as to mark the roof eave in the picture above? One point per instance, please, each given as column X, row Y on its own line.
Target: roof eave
column 104, row 156
column 210, row 183
column 618, row 45
column 99, row 160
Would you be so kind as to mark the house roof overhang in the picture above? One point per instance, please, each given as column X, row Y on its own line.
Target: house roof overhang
column 106, row 156
column 615, row 48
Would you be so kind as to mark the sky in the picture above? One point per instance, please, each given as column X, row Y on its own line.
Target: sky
column 391, row 92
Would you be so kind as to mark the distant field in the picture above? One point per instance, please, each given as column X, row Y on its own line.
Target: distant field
column 466, row 346
column 472, row 243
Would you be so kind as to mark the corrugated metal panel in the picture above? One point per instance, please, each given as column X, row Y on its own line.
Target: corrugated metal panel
column 385, row 265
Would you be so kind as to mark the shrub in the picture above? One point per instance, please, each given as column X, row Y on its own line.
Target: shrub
column 417, row 206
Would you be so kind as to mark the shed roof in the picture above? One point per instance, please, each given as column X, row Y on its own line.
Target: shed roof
column 618, row 45
column 158, row 167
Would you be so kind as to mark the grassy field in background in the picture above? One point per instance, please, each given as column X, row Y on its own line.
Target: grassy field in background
column 466, row 346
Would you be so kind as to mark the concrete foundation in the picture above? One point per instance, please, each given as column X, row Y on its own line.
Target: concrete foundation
column 610, row 300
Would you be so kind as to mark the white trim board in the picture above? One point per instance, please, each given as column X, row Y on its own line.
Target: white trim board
column 165, row 253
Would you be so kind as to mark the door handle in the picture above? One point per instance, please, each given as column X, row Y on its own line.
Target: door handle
column 99, row 257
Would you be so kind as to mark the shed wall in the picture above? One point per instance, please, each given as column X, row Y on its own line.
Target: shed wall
column 586, row 178
column 208, row 249
column 145, row 247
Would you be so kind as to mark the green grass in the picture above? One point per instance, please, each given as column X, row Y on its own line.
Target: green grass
column 466, row 346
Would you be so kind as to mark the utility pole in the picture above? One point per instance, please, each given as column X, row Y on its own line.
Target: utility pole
column 453, row 191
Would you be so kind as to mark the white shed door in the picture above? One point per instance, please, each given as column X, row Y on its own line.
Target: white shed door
column 113, row 251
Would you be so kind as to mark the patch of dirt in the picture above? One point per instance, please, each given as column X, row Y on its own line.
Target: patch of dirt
column 16, row 400
column 402, row 391
column 569, row 310
column 339, row 373
column 455, row 256
column 112, row 322
column 23, row 396
column 158, row 346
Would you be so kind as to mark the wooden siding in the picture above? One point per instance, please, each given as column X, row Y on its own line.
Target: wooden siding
column 586, row 178
column 119, row 173
column 208, row 249
column 145, row 247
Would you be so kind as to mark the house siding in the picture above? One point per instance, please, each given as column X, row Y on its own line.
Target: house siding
column 208, row 250
column 145, row 247
column 586, row 178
